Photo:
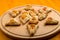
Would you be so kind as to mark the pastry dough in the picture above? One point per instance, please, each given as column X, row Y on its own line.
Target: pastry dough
column 42, row 16
column 32, row 28
column 12, row 22
column 34, row 20
column 32, row 13
column 14, row 13
column 24, row 17
column 51, row 21
column 43, row 13
column 28, row 7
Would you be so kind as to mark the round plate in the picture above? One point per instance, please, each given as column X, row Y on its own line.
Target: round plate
column 21, row 31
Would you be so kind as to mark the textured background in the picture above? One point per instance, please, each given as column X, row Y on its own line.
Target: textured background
column 7, row 4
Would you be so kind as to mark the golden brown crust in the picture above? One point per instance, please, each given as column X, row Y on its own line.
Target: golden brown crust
column 51, row 21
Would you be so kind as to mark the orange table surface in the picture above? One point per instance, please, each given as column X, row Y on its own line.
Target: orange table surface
column 8, row 4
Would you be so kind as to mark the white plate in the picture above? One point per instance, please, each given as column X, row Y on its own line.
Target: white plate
column 21, row 31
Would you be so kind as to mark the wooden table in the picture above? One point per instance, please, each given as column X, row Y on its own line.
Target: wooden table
column 7, row 4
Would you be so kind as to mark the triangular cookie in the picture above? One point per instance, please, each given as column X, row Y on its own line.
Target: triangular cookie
column 34, row 20
column 14, row 13
column 12, row 22
column 32, row 28
column 51, row 21
column 42, row 16
column 43, row 13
